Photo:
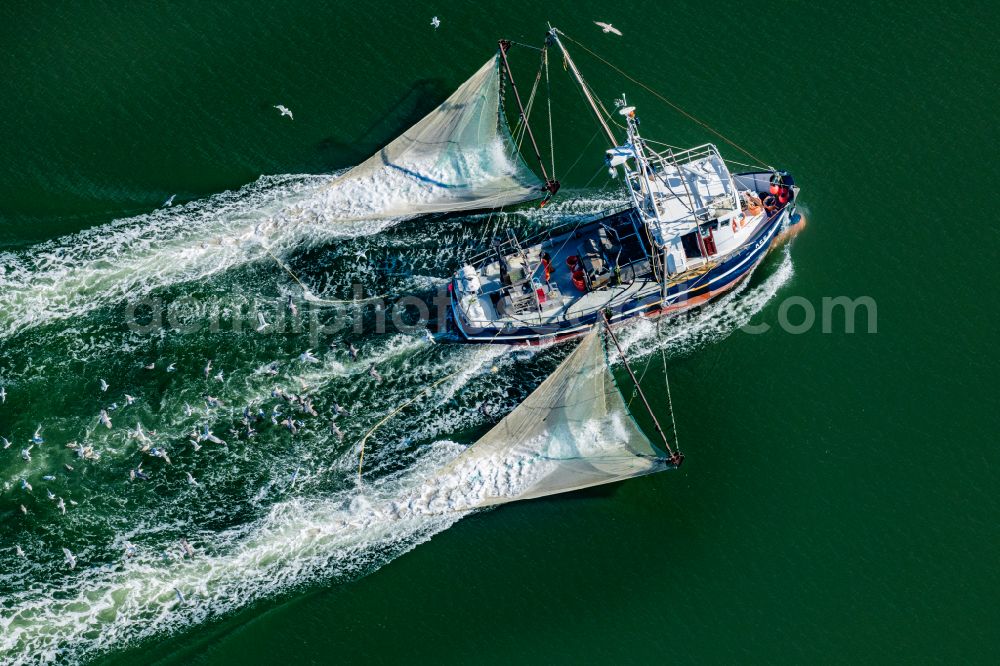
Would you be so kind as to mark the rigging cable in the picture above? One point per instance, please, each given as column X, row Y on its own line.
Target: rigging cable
column 551, row 185
column 671, row 104
column 666, row 380
column 676, row 457
column 548, row 95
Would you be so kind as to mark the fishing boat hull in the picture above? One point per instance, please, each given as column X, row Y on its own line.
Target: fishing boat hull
column 678, row 298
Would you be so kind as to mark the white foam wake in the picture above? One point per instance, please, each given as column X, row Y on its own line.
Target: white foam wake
column 712, row 324
column 130, row 257
column 108, row 607
column 311, row 534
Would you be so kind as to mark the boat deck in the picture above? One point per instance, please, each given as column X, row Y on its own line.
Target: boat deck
column 525, row 297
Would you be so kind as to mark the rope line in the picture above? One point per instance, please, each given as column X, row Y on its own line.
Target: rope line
column 313, row 298
column 361, row 459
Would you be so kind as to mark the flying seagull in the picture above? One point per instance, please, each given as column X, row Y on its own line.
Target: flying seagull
column 104, row 386
column 285, row 111
column 436, row 22
column 70, row 558
column 170, row 201
column 261, row 323
column 607, row 27
column 3, row 395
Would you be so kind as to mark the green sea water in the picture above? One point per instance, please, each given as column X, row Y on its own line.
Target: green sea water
column 839, row 499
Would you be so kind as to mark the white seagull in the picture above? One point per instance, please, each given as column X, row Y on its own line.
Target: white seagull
column 37, row 437
column 285, row 111
column 191, row 479
column 436, row 22
column 308, row 357
column 3, row 395
column 70, row 558
column 105, row 419
column 170, row 201
column 172, row 368
column 607, row 27
column 128, row 400
column 261, row 324
column 6, row 442
column 18, row 550
column 104, row 386
column 207, row 434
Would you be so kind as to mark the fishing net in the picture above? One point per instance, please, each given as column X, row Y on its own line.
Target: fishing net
column 572, row 432
column 459, row 157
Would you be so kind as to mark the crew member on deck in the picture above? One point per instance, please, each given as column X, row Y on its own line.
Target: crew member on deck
column 547, row 263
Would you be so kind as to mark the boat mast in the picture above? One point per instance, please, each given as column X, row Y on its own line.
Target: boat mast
column 554, row 37
column 551, row 186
